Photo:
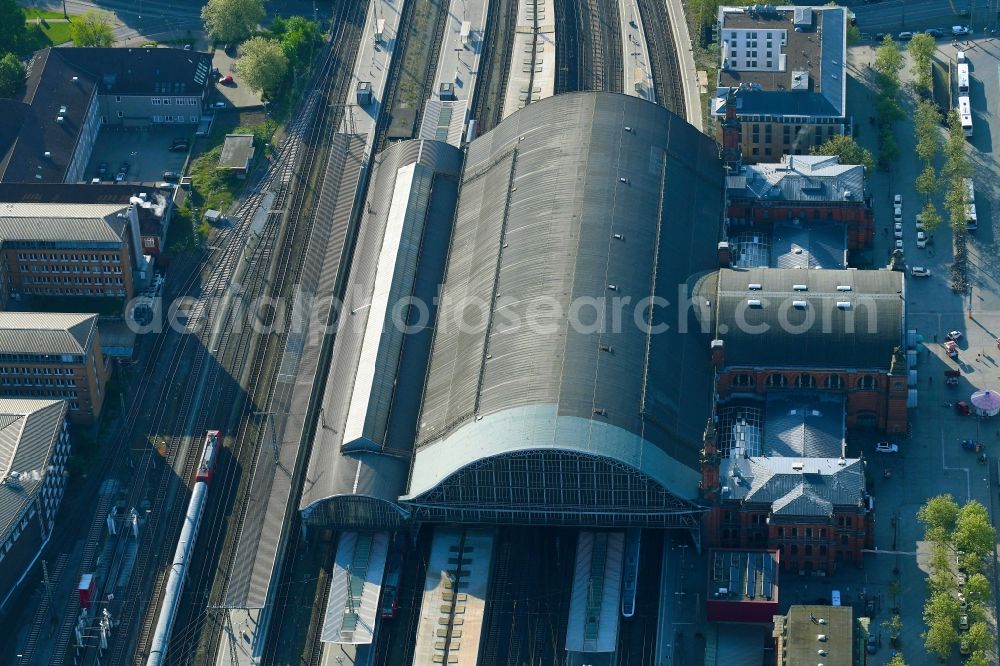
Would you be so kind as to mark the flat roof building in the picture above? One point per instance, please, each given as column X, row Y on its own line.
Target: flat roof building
column 787, row 66
column 521, row 399
column 58, row 356
column 742, row 585
column 34, row 447
column 237, row 152
column 809, row 630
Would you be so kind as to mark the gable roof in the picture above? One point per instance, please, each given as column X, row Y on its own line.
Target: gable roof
column 29, row 431
column 69, row 79
column 46, row 333
column 98, row 223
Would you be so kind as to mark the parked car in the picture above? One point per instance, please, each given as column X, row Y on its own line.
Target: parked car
column 215, row 71
column 964, row 647
column 963, row 623
column 125, row 167
column 935, row 33
column 954, row 336
column 962, row 408
column 919, row 271
column 871, row 645
column 180, row 146
column 959, row 30
column 899, row 244
column 897, row 212
column 835, row 597
column 897, row 229
column 897, row 200
column 226, row 80
column 905, row 36
column 886, row 447
column 920, row 222
column 921, row 239
column 171, row 176
column 120, row 177
column 879, row 36
column 218, row 105
column 103, row 169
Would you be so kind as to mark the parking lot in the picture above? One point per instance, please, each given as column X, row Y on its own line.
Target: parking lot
column 236, row 94
column 146, row 149
column 931, row 461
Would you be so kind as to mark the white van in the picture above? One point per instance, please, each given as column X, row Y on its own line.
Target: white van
column 835, row 597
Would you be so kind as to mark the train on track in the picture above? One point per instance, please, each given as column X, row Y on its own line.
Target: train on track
column 185, row 548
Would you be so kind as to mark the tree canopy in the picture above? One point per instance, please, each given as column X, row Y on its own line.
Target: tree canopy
column 92, row 28
column 889, row 60
column 973, row 531
column 263, row 65
column 232, row 20
column 13, row 32
column 939, row 515
column 921, row 49
column 848, row 150
column 11, row 75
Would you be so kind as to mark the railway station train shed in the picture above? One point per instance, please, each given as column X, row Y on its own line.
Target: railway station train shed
column 572, row 205
column 361, row 454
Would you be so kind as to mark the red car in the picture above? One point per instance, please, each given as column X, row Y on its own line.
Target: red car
column 226, row 80
column 962, row 407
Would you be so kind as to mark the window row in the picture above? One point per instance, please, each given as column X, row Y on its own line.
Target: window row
column 41, row 256
column 45, row 268
column 76, row 280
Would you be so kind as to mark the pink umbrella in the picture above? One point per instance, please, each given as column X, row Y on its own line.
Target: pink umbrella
column 986, row 400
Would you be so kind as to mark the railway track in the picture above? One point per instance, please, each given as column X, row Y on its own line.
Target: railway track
column 568, row 74
column 663, row 59
column 197, row 639
column 494, row 64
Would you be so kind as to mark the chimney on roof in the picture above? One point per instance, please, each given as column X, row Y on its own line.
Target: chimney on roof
column 725, row 254
column 718, row 353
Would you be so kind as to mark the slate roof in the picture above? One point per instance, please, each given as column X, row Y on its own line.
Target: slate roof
column 804, row 425
column 29, row 431
column 821, row 51
column 46, row 333
column 800, row 178
column 795, row 486
column 779, row 334
column 30, row 129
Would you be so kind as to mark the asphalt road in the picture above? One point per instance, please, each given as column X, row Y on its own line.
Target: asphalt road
column 897, row 15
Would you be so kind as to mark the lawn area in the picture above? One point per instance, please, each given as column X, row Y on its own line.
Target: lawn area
column 35, row 12
column 48, row 33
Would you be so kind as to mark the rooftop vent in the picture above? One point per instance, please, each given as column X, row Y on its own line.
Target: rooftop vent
column 801, row 305
column 755, row 286
column 62, row 108
column 618, row 236
column 844, row 305
column 47, row 153
column 797, row 466
column 843, row 287
column 60, row 119
column 76, row 78
column 821, row 638
column 800, row 287
column 754, row 303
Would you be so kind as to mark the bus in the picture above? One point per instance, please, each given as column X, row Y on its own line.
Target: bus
column 965, row 114
column 971, row 221
column 963, row 78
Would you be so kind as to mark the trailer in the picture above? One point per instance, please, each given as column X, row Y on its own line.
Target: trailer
column 466, row 34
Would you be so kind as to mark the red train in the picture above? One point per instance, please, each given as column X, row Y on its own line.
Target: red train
column 208, row 455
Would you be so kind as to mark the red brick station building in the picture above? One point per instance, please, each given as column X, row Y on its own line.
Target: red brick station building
column 800, row 357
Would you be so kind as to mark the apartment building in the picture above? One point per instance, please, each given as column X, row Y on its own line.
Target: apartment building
column 49, row 132
column 33, row 459
column 784, row 67
column 54, row 356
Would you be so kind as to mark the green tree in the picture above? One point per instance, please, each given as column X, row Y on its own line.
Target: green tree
column 299, row 38
column 853, row 34
column 93, row 28
column 930, row 217
column 847, row 149
column 939, row 515
column 956, row 203
column 897, row 660
column 978, row 658
column 973, row 531
column 888, row 61
column 232, row 20
column 927, row 181
column 11, row 75
column 925, row 122
column 893, row 626
column 13, row 32
column 979, row 637
column 263, row 65
column 956, row 161
column 922, row 48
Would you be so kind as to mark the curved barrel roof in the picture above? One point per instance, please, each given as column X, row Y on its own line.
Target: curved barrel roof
column 574, row 214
